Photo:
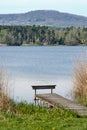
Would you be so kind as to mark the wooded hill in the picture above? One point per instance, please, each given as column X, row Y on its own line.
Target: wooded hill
column 44, row 17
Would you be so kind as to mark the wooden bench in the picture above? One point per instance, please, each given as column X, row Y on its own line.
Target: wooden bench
column 35, row 87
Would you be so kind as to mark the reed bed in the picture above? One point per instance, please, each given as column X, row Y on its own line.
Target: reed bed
column 80, row 82
column 5, row 101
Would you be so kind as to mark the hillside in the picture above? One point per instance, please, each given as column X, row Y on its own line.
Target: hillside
column 44, row 17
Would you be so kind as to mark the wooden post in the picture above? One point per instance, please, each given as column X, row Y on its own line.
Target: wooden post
column 51, row 90
column 35, row 97
column 35, row 93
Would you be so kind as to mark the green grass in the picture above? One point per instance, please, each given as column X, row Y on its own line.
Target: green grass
column 28, row 117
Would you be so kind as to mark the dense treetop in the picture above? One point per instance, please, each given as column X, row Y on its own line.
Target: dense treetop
column 42, row 35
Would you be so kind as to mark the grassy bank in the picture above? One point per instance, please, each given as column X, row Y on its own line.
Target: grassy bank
column 28, row 117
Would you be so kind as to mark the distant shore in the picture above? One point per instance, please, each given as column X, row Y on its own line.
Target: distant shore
column 3, row 44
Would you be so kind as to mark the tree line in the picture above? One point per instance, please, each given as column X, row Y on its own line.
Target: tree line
column 42, row 35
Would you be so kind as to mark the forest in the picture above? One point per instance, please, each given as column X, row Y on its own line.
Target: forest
column 42, row 35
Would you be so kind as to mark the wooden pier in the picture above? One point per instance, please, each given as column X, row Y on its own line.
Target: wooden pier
column 55, row 100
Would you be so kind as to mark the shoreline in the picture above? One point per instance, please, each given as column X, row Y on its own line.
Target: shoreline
column 36, row 45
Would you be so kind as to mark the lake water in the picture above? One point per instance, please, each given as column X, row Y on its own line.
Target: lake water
column 27, row 66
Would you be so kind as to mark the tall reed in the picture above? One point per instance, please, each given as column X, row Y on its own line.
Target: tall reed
column 80, row 82
column 5, row 101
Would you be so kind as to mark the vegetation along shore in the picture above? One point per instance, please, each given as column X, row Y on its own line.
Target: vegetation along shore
column 42, row 35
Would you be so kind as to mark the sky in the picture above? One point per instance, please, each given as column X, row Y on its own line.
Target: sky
column 78, row 7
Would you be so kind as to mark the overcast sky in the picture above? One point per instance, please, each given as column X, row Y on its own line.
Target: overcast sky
column 19, row 6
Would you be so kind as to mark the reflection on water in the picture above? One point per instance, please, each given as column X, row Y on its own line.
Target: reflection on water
column 40, row 65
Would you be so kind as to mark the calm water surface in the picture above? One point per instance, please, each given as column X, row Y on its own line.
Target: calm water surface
column 27, row 66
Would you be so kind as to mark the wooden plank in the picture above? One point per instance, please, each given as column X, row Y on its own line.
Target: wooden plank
column 43, row 86
column 57, row 100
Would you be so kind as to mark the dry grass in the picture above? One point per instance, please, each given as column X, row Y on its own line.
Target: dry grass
column 5, row 101
column 80, row 83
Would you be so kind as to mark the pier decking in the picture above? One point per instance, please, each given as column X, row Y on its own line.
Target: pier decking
column 54, row 100
column 57, row 100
